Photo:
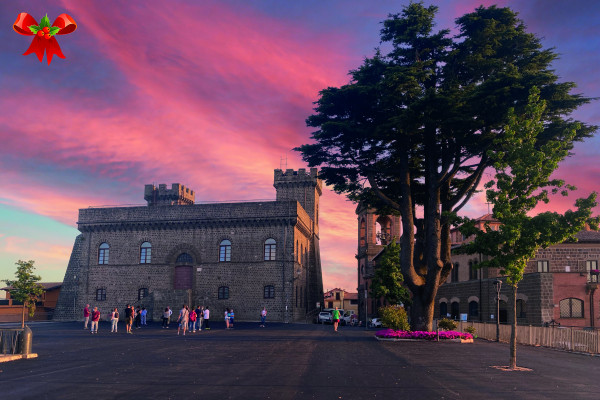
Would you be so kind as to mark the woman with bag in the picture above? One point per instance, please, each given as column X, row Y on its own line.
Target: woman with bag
column 114, row 319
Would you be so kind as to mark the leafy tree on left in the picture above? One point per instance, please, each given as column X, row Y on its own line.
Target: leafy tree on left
column 25, row 287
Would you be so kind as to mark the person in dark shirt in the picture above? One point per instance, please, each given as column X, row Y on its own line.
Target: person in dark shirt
column 129, row 317
column 138, row 318
column 95, row 320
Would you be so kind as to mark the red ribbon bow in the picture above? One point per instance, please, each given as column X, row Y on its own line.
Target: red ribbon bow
column 39, row 44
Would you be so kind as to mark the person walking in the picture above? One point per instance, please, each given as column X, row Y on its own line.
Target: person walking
column 207, row 318
column 227, row 318
column 231, row 318
column 144, row 313
column 183, row 319
column 165, row 318
column 86, row 316
column 170, row 314
column 95, row 320
column 129, row 318
column 336, row 319
column 199, row 317
column 114, row 320
column 138, row 318
column 192, row 320
column 263, row 317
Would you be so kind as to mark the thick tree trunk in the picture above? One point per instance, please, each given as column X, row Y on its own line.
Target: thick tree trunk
column 513, row 331
column 421, row 314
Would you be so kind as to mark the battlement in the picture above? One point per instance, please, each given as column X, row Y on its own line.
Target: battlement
column 161, row 196
column 296, row 176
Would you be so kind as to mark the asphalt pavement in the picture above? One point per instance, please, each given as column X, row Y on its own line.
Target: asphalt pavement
column 283, row 361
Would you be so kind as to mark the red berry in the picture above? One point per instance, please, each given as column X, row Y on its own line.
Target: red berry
column 46, row 29
column 40, row 33
column 47, row 36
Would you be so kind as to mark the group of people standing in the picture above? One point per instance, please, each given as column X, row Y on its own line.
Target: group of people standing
column 188, row 320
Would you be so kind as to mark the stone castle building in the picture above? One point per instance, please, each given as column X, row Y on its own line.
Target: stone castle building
column 245, row 255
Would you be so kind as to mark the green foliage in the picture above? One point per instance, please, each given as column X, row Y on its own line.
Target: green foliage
column 416, row 128
column 471, row 329
column 45, row 22
column 394, row 317
column 25, row 287
column 387, row 281
column 447, row 324
column 524, row 160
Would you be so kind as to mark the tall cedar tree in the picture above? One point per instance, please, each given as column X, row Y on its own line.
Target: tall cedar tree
column 388, row 280
column 25, row 287
column 411, row 131
column 524, row 164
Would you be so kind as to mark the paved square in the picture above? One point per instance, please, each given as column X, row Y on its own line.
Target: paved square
column 283, row 362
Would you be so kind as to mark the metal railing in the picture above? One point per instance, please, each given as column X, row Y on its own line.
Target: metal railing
column 9, row 340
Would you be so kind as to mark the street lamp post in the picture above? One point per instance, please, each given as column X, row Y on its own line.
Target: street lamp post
column 498, row 286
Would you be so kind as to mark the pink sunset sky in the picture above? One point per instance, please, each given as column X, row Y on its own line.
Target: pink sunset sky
column 210, row 94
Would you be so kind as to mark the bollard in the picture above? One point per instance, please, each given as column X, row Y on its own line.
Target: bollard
column 25, row 341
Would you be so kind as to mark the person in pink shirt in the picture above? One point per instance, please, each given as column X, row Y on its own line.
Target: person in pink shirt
column 95, row 320
column 86, row 316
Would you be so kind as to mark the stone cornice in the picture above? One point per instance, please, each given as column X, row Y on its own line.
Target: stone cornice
column 110, row 226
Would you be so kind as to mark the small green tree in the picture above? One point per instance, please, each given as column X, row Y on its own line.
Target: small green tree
column 394, row 317
column 447, row 324
column 524, row 160
column 25, row 288
column 387, row 281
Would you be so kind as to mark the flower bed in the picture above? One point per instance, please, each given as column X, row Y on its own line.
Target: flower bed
column 422, row 335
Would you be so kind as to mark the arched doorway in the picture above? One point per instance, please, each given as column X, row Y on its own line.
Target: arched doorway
column 183, row 272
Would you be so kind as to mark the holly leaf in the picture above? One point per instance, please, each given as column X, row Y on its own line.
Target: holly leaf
column 45, row 22
column 34, row 28
column 54, row 30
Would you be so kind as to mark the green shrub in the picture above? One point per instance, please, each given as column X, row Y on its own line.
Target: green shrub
column 394, row 317
column 470, row 329
column 447, row 324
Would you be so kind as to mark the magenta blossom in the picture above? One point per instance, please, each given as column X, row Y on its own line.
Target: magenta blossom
column 423, row 335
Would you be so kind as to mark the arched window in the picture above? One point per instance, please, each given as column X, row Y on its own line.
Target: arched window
column 225, row 251
column 184, row 258
column 269, row 292
column 270, row 249
column 103, row 253
column 443, row 309
column 301, row 254
column 383, row 230
column 100, row 294
column 521, row 309
column 473, row 270
column 454, row 310
column 223, row 292
column 473, row 309
column 145, row 253
column 142, row 292
column 455, row 272
column 571, row 308
column 363, row 232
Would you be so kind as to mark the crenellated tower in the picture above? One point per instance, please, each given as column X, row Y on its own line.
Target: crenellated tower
column 303, row 186
column 161, row 196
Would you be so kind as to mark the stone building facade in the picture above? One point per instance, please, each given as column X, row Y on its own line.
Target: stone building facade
column 559, row 285
column 244, row 256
